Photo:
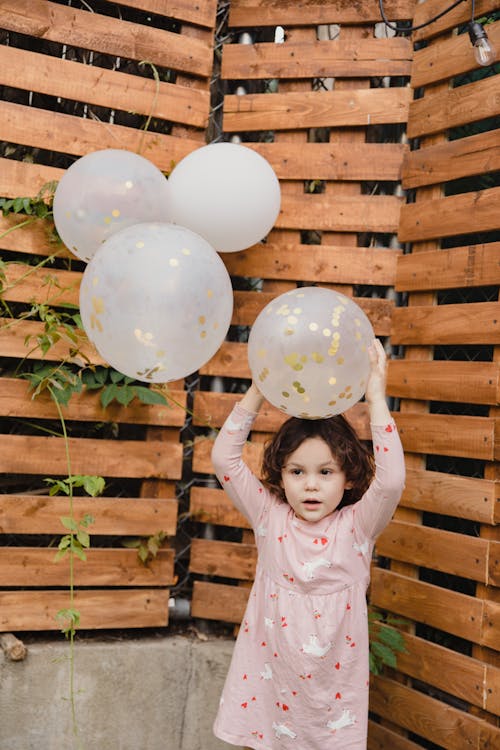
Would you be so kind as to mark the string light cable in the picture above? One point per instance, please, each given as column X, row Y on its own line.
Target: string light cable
column 484, row 51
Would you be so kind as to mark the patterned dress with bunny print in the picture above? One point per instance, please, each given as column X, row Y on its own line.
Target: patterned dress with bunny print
column 298, row 678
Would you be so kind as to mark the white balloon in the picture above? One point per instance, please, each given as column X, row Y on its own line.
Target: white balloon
column 227, row 193
column 307, row 352
column 156, row 301
column 103, row 192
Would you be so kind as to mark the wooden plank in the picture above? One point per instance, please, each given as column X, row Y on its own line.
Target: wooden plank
column 24, row 454
column 16, row 401
column 33, row 239
column 449, row 109
column 202, row 463
column 230, row 360
column 339, row 59
column 447, row 434
column 211, row 409
column 121, row 608
column 466, row 213
column 202, row 14
column 113, row 516
column 462, row 382
column 271, row 13
column 447, row 551
column 475, row 155
column 466, row 678
column 43, row 74
column 440, row 608
column 218, row 601
column 332, row 161
column 430, row 717
column 24, row 283
column 456, row 17
column 315, row 109
column 381, row 737
column 322, row 211
column 18, row 338
column 26, row 566
column 78, row 136
column 472, row 323
column 208, row 505
column 448, row 58
column 228, row 559
column 467, row 266
column 19, row 178
column 321, row 264
column 451, row 495
column 112, row 36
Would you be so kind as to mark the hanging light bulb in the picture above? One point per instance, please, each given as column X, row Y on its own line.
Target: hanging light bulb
column 484, row 51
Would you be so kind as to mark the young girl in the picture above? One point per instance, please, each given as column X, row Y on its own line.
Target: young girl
column 299, row 673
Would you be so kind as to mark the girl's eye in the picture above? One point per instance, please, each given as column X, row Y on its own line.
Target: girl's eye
column 326, row 472
column 296, row 472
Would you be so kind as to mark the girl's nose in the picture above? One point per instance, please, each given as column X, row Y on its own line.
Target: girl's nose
column 311, row 482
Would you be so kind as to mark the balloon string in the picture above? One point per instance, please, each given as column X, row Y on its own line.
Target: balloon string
column 153, row 105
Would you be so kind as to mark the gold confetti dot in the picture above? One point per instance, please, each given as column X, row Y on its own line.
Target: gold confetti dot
column 303, row 358
column 98, row 305
column 115, row 212
column 292, row 320
column 129, row 184
column 340, row 361
column 297, row 310
column 95, row 281
column 201, row 319
column 342, row 395
column 203, row 334
column 107, row 219
column 173, row 262
column 210, row 293
column 288, row 332
column 285, row 394
column 186, row 251
column 327, row 332
column 357, row 335
column 139, row 244
column 313, row 326
column 262, row 353
column 332, row 381
column 357, row 321
column 317, row 357
column 336, row 336
column 332, row 403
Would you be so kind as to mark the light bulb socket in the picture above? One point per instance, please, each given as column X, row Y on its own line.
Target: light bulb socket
column 476, row 32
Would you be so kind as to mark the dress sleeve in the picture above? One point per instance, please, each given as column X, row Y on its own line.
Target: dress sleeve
column 243, row 487
column 375, row 509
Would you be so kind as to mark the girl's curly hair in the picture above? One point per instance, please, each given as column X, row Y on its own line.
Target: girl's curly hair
column 353, row 456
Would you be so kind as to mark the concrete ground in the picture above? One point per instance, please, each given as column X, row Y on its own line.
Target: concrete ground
column 158, row 693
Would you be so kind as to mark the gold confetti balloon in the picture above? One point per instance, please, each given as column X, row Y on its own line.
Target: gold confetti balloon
column 156, row 301
column 308, row 352
column 226, row 192
column 103, row 192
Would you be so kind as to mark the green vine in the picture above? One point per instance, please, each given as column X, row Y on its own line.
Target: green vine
column 385, row 641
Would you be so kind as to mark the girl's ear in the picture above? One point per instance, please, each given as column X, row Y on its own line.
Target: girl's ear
column 348, row 485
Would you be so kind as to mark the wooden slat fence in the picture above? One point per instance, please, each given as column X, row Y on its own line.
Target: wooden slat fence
column 73, row 81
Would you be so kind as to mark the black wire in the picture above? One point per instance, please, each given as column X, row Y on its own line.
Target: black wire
column 395, row 27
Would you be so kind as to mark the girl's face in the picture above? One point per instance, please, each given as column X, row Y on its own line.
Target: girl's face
column 312, row 480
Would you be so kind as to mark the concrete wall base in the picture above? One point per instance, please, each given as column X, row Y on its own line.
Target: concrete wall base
column 145, row 694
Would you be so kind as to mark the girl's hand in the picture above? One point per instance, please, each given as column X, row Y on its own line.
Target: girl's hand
column 375, row 388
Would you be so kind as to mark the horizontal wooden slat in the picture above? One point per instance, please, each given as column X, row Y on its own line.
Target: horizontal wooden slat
column 26, row 566
column 381, row 738
column 247, row 305
column 340, row 59
column 452, row 108
column 19, row 178
column 202, row 464
column 448, row 435
column 472, row 323
column 228, row 559
column 316, row 263
column 212, row 408
column 315, row 109
column 270, row 13
column 230, row 360
column 218, row 601
column 32, row 239
column 451, row 495
column 468, row 266
column 431, row 718
column 448, row 58
column 16, row 401
column 466, row 382
column 43, row 74
column 208, row 505
column 372, row 213
column 465, row 157
column 23, row 454
column 466, row 213
column 202, row 14
column 447, row 551
column 113, row 36
column 119, row 608
column 41, row 514
column 457, row 16
column 466, row 678
column 432, row 605
column 78, row 136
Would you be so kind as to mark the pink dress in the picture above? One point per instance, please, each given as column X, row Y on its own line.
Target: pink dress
column 299, row 672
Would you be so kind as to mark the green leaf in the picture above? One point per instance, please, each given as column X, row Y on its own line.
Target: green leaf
column 373, row 664
column 93, row 485
column 60, row 554
column 384, row 653
column 84, row 538
column 77, row 550
column 69, row 523
column 147, row 396
column 108, row 394
column 125, row 395
column 115, row 376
